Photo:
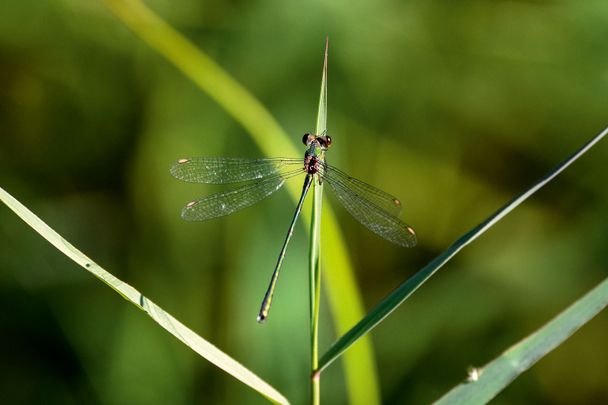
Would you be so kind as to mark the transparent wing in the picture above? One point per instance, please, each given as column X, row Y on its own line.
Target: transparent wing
column 227, row 202
column 372, row 216
column 379, row 198
column 223, row 170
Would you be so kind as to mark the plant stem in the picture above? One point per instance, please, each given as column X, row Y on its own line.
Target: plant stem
column 315, row 289
column 315, row 249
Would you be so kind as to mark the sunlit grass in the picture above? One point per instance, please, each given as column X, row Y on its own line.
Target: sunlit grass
column 315, row 247
column 160, row 316
column 484, row 383
column 346, row 305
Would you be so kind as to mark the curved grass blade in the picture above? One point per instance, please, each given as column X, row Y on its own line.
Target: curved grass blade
column 500, row 372
column 340, row 285
column 164, row 319
column 397, row 297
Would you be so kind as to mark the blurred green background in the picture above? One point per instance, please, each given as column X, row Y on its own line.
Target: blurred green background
column 455, row 107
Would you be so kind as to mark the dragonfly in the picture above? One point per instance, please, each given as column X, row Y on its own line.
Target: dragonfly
column 372, row 207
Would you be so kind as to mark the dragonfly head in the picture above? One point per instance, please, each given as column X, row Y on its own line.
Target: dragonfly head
column 323, row 141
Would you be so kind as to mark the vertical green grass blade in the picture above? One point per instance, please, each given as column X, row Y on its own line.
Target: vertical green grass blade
column 397, row 297
column 315, row 290
column 500, row 372
column 342, row 292
column 164, row 319
column 322, row 112
column 315, row 248
column 359, row 364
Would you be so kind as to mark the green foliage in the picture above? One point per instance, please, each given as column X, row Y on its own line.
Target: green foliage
column 164, row 319
column 315, row 248
column 500, row 372
column 452, row 108
column 407, row 288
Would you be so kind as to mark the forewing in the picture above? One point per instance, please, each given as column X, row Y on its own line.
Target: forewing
column 222, row 170
column 227, row 202
column 379, row 198
column 373, row 217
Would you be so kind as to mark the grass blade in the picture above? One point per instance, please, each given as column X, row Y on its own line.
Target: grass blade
column 322, row 113
column 315, row 248
column 164, row 319
column 397, row 297
column 340, row 285
column 500, row 372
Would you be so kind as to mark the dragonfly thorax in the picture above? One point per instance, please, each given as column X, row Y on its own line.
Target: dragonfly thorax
column 312, row 164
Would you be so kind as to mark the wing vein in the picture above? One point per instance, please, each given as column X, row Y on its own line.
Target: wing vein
column 373, row 217
column 233, row 200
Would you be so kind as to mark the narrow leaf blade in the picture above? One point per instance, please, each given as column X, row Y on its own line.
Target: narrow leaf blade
column 322, row 113
column 407, row 288
column 500, row 372
column 315, row 249
column 163, row 318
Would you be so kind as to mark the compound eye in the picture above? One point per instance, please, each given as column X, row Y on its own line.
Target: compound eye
column 305, row 138
column 325, row 141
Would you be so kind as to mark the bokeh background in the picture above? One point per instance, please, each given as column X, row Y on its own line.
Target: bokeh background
column 455, row 107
